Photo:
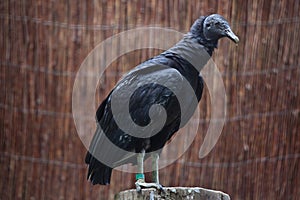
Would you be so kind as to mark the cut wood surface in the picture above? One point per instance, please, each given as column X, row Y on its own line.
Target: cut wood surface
column 173, row 193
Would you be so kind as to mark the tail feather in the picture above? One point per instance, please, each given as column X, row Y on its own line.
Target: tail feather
column 98, row 173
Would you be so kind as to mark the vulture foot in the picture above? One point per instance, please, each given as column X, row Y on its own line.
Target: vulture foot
column 141, row 184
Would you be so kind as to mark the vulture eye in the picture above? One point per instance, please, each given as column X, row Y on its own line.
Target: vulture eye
column 207, row 25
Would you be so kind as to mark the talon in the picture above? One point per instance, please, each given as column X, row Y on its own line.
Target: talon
column 161, row 188
column 138, row 187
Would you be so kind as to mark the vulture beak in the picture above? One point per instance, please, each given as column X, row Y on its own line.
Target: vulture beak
column 231, row 35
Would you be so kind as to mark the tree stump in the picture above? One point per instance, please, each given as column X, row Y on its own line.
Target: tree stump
column 173, row 193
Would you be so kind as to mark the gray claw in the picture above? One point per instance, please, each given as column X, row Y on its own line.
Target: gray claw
column 138, row 187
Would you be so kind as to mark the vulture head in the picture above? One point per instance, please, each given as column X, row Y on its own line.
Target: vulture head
column 211, row 28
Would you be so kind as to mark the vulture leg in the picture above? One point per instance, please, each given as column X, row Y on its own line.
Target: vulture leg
column 140, row 177
column 155, row 174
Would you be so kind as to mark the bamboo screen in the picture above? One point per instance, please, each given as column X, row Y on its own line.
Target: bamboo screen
column 43, row 43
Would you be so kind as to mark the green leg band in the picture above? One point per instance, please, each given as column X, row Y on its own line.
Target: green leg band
column 139, row 176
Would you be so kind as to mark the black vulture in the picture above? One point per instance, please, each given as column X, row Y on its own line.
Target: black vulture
column 182, row 61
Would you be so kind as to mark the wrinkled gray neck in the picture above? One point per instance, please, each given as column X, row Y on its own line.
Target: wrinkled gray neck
column 189, row 49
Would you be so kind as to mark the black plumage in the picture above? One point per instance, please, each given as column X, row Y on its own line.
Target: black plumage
column 148, row 94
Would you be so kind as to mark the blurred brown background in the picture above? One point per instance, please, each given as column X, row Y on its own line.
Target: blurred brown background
column 43, row 43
